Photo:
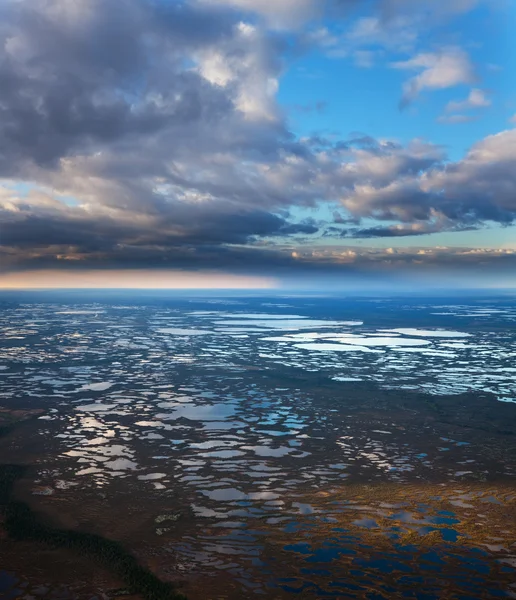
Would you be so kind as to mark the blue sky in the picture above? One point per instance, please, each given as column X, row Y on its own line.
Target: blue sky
column 257, row 138
column 352, row 94
column 330, row 92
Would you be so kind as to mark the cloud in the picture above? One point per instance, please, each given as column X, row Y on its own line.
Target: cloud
column 480, row 187
column 120, row 223
column 416, row 260
column 287, row 14
column 405, row 230
column 282, row 263
column 396, row 33
column 453, row 119
column 370, row 32
column 40, row 221
column 71, row 75
column 440, row 70
column 432, row 9
column 477, row 189
column 476, row 99
column 148, row 134
column 293, row 14
column 366, row 40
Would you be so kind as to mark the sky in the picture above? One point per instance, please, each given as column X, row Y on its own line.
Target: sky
column 257, row 143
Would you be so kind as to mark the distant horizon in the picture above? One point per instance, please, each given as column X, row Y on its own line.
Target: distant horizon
column 274, row 292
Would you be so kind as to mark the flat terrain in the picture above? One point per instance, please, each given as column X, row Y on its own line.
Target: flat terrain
column 263, row 447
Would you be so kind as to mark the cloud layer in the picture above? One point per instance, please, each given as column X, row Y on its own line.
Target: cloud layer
column 138, row 133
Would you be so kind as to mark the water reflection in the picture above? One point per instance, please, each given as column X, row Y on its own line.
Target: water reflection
column 254, row 448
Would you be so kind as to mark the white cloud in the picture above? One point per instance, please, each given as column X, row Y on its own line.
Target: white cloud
column 246, row 63
column 367, row 39
column 398, row 33
column 494, row 151
column 387, row 25
column 441, row 70
column 476, row 99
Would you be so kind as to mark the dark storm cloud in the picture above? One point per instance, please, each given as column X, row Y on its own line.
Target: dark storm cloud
column 191, row 227
column 395, row 231
column 379, row 232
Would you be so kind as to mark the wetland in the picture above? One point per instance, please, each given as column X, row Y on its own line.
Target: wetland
column 253, row 447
